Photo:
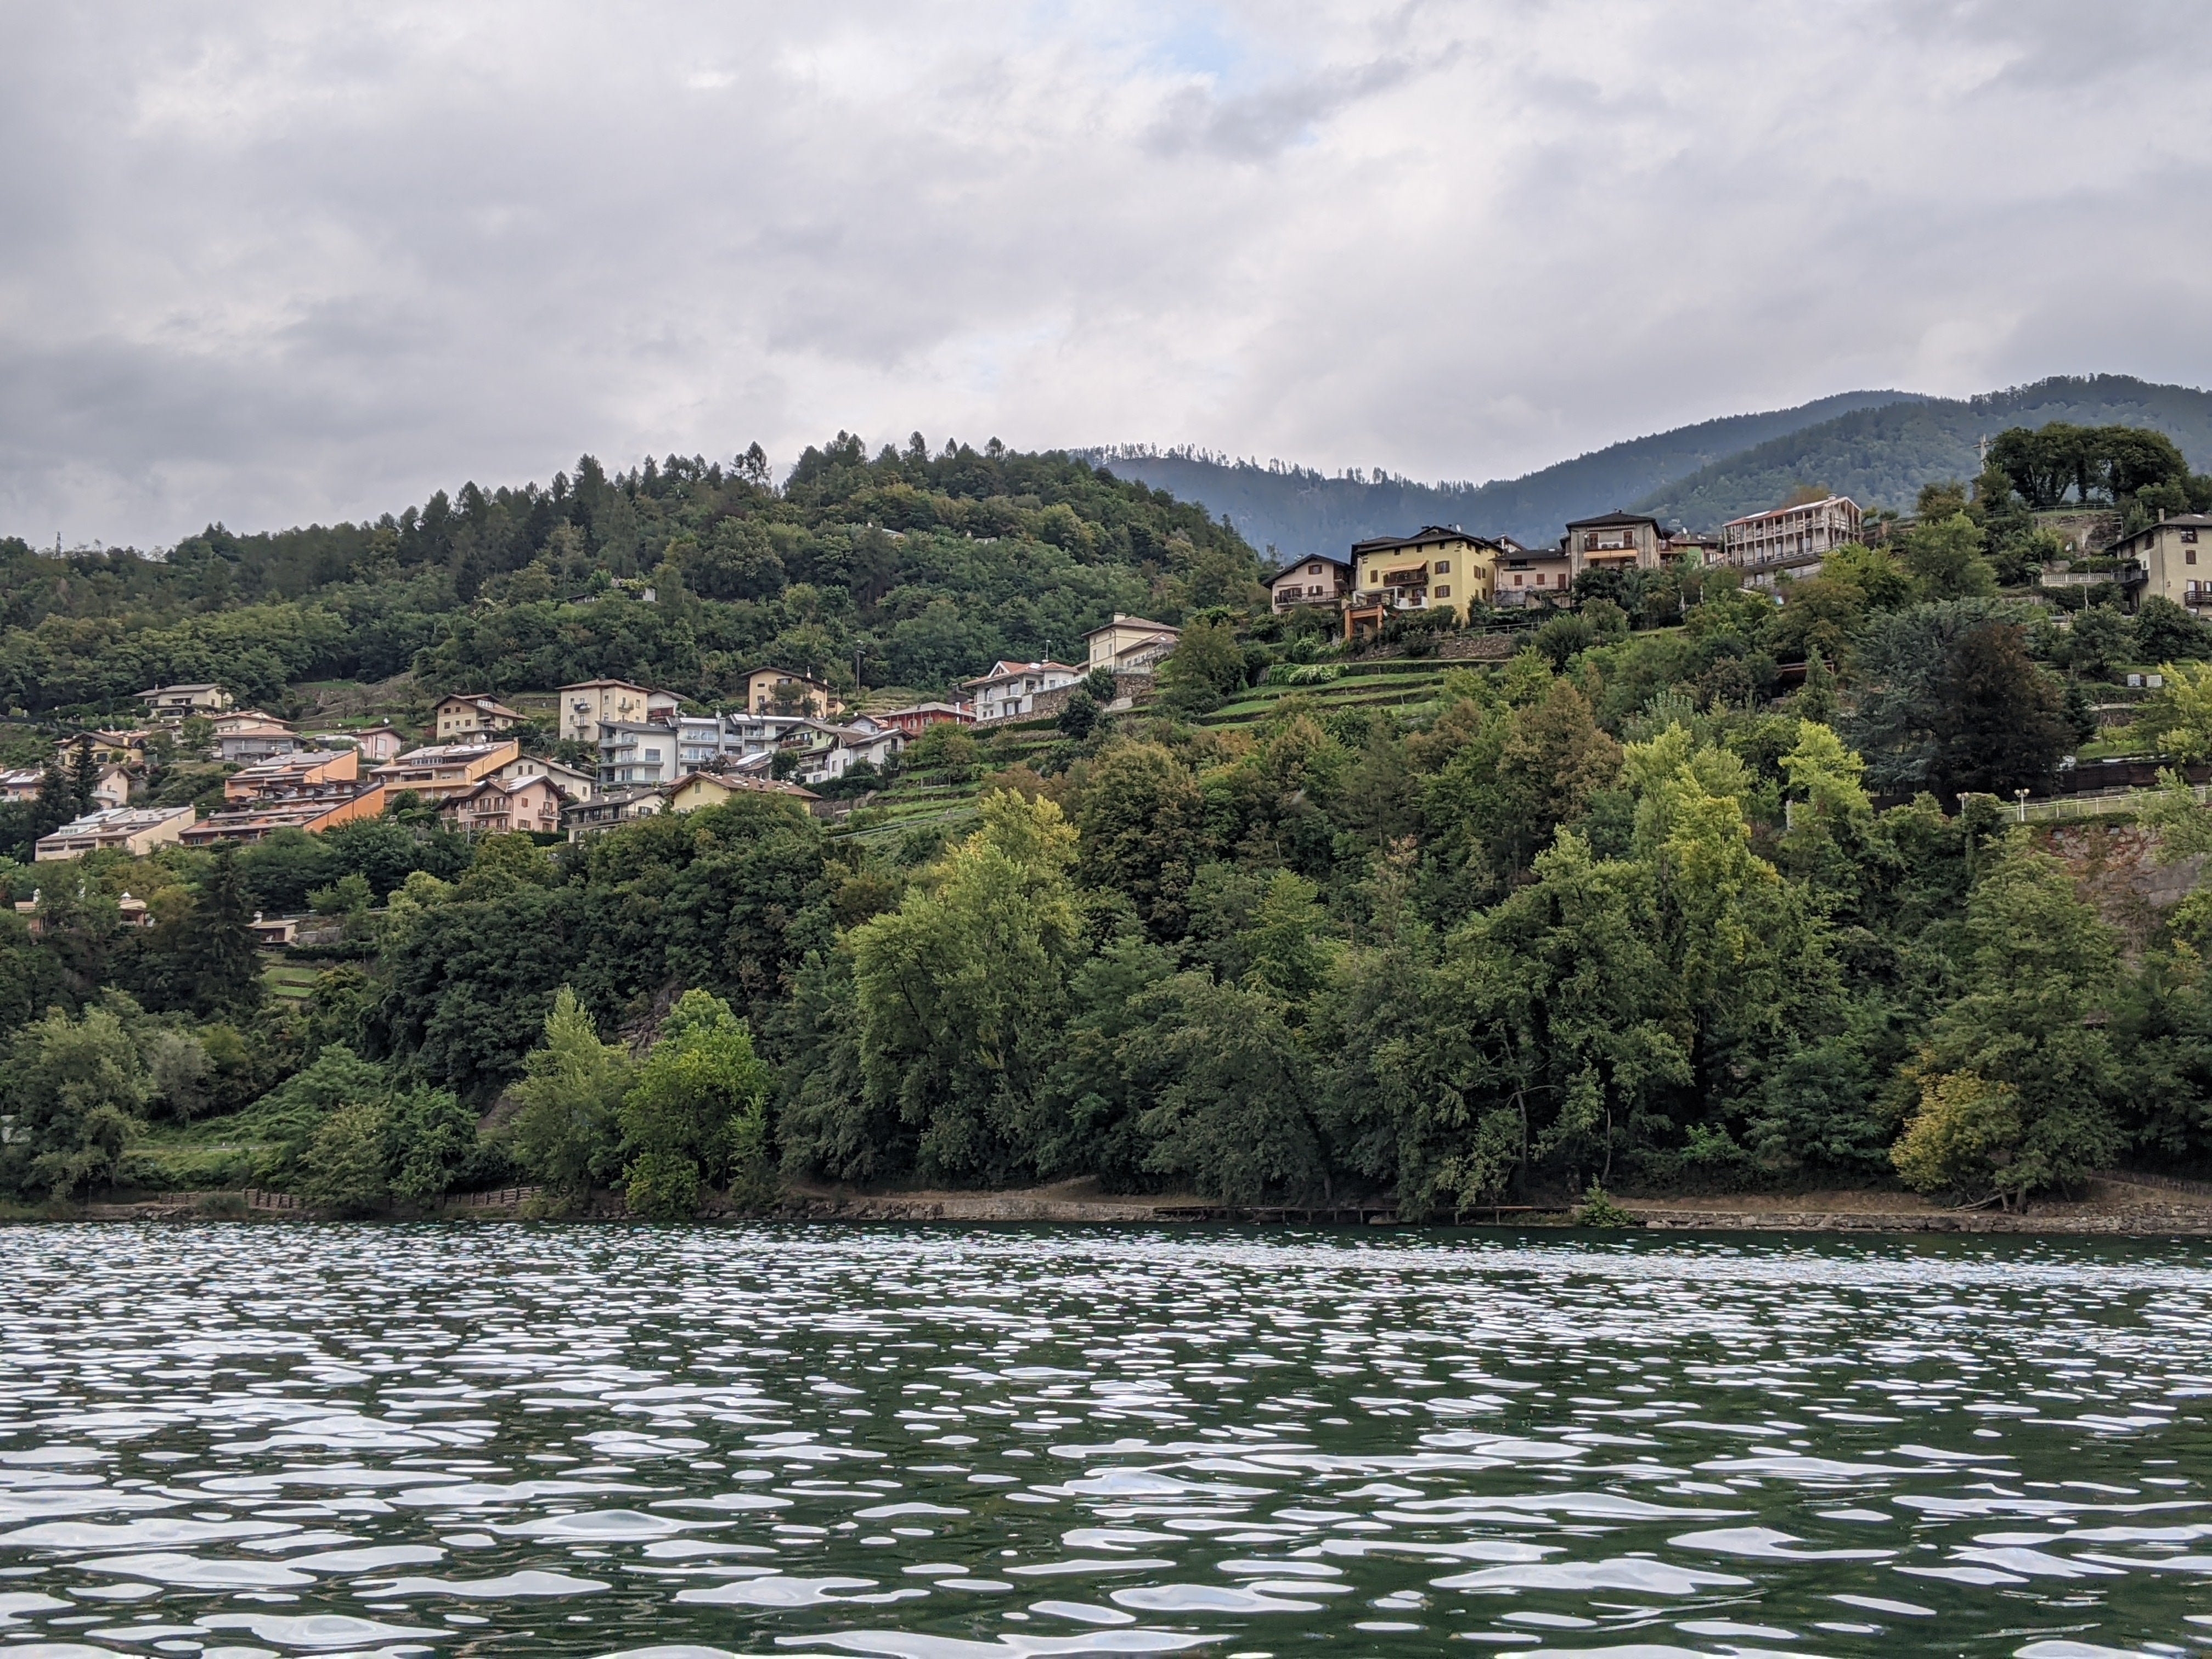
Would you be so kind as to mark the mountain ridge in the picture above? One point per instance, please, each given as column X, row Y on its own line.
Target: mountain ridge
column 1878, row 447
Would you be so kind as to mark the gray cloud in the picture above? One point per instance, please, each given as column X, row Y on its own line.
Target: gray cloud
column 271, row 263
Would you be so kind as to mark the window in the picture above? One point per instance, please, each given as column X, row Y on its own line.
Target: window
column 1444, row 592
column 1443, row 567
column 1516, row 580
column 2189, row 536
column 1313, row 570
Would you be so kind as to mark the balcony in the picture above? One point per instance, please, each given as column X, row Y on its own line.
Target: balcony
column 2089, row 572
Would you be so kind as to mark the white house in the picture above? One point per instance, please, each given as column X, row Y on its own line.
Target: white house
column 1011, row 689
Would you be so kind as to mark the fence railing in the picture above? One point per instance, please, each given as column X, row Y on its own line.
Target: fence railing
column 2098, row 803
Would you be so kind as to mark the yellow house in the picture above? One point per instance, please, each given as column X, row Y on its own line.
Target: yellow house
column 1439, row 568
column 1130, row 644
column 785, row 691
column 467, row 715
column 697, row 789
column 2175, row 555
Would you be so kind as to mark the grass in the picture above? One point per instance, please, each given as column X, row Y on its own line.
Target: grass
column 290, row 982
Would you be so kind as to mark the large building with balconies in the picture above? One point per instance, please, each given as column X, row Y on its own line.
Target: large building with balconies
column 1790, row 540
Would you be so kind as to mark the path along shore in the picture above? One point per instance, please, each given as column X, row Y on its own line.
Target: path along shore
column 2120, row 1205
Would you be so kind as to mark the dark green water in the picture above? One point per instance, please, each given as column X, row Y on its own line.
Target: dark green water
column 248, row 1442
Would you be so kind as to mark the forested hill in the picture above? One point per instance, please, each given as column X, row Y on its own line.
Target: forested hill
column 1880, row 457
column 919, row 567
column 1299, row 511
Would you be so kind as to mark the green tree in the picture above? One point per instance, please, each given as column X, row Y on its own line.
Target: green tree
column 1948, row 700
column 1142, row 820
column 2040, row 965
column 1944, row 557
column 1204, row 670
column 568, row 1133
column 960, row 992
column 223, row 969
column 697, row 1113
column 344, row 1169
column 76, row 1089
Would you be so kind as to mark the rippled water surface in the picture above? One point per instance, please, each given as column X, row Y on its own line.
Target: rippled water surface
column 256, row 1441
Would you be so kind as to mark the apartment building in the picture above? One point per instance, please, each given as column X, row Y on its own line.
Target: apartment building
column 136, row 831
column 308, row 768
column 1794, row 539
column 311, row 808
column 1533, row 576
column 442, row 771
column 501, row 806
column 637, row 752
column 588, row 704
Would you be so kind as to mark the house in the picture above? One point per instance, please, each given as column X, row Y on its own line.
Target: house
column 917, row 718
column 22, row 784
column 441, row 770
column 786, row 691
column 381, row 743
column 135, row 912
column 497, row 806
column 246, row 720
column 1613, row 541
column 136, row 831
column 470, row 714
column 851, row 746
column 1009, row 690
column 1317, row 580
column 609, row 807
column 111, row 748
column 576, row 785
column 588, row 704
column 306, row 769
column 255, row 743
column 1790, row 540
column 1127, row 645
column 1531, row 575
column 312, row 810
column 273, row 932
column 111, row 785
column 1437, row 567
column 2172, row 558
column 178, row 702
column 1694, row 547
column 698, row 789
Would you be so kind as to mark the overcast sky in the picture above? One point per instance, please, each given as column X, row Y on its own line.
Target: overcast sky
column 271, row 263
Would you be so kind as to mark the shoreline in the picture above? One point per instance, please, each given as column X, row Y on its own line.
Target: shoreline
column 2115, row 1206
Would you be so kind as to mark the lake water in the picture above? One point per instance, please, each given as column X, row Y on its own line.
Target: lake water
column 251, row 1440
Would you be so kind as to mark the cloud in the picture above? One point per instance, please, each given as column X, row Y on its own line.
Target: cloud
column 271, row 263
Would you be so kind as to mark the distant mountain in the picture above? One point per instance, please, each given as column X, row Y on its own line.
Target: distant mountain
column 1299, row 511
column 1879, row 456
column 1877, row 447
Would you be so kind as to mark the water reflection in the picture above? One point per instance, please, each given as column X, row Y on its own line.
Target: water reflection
column 243, row 1443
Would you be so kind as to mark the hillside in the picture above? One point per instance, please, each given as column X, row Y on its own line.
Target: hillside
column 906, row 570
column 1879, row 456
column 1299, row 511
